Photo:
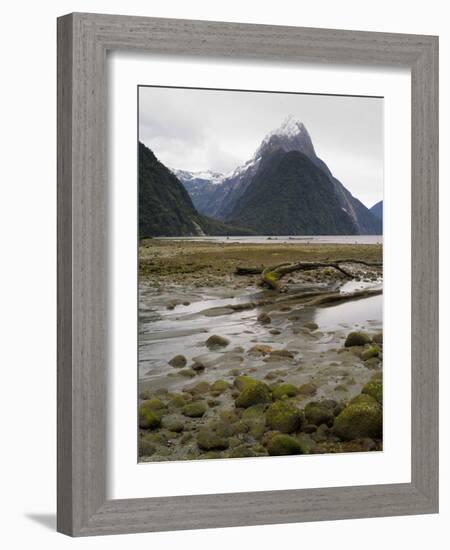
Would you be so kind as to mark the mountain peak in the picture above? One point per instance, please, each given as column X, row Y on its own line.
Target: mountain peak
column 291, row 135
column 290, row 127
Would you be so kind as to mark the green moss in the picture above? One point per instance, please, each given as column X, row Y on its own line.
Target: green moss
column 208, row 440
column 173, row 423
column 254, row 394
column 374, row 388
column 177, row 401
column 281, row 445
column 195, row 410
column 219, row 387
column 362, row 398
column 307, row 389
column 146, row 448
column 149, row 415
column 284, row 417
column 242, row 382
column 357, row 339
column 369, row 353
column 359, row 420
column 284, row 390
column 318, row 413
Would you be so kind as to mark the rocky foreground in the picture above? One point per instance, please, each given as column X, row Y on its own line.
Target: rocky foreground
column 280, row 384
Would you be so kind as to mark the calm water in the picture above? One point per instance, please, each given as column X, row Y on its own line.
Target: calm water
column 263, row 239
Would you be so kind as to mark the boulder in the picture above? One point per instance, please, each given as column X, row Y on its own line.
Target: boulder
column 216, row 341
column 254, row 393
column 284, row 390
column 178, row 362
column 359, row 420
column 282, row 445
column 195, row 410
column 317, row 413
column 284, row 417
column 357, row 339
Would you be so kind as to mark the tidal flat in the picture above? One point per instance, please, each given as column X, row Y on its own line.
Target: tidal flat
column 230, row 369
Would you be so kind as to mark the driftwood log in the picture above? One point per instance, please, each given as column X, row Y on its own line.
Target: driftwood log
column 270, row 276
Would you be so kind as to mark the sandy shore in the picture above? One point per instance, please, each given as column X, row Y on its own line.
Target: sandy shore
column 228, row 369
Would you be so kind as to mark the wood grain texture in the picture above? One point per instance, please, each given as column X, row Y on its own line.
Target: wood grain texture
column 83, row 40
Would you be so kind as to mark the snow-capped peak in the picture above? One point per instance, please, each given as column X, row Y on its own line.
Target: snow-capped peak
column 290, row 127
column 208, row 175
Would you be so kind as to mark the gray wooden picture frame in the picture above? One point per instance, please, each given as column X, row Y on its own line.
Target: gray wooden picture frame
column 83, row 41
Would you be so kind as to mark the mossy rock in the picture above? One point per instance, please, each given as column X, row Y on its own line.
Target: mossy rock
column 317, row 413
column 307, row 389
column 374, row 388
column 255, row 412
column 149, row 417
column 178, row 362
column 284, row 390
column 359, row 420
column 145, row 395
column 243, row 381
column 208, row 440
column 216, row 341
column 177, row 400
column 195, row 410
column 284, row 417
column 173, row 423
column 362, row 398
column 357, row 339
column 200, row 388
column 283, row 445
column 229, row 415
column 155, row 404
column 378, row 338
column 253, row 394
column 146, row 448
column 370, row 353
column 219, row 387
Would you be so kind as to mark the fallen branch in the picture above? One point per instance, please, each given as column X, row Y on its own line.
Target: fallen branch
column 271, row 276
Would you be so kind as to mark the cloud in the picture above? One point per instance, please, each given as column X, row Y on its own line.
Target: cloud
column 195, row 129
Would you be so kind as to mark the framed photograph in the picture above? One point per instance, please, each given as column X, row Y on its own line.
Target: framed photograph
column 247, row 274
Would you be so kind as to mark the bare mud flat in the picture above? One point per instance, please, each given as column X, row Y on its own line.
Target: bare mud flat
column 228, row 368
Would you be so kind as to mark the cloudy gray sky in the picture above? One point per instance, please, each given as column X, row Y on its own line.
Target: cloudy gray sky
column 192, row 129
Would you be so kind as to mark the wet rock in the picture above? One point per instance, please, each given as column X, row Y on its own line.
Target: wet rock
column 264, row 319
column 372, row 364
column 282, row 353
column 311, row 325
column 284, row 417
column 207, row 440
column 378, row 338
column 282, row 445
column 307, row 389
column 357, row 339
column 242, row 381
column 362, row 399
column 146, row 394
column 317, row 413
column 370, row 353
column 274, row 331
column 178, row 362
column 188, row 373
column 359, row 420
column 259, row 349
column 219, row 387
column 195, row 410
column 284, row 390
column 216, row 341
column 271, row 375
column 309, row 428
column 173, row 423
column 252, row 394
column 213, row 402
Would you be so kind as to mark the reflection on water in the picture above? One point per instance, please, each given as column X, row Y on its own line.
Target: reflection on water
column 365, row 311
